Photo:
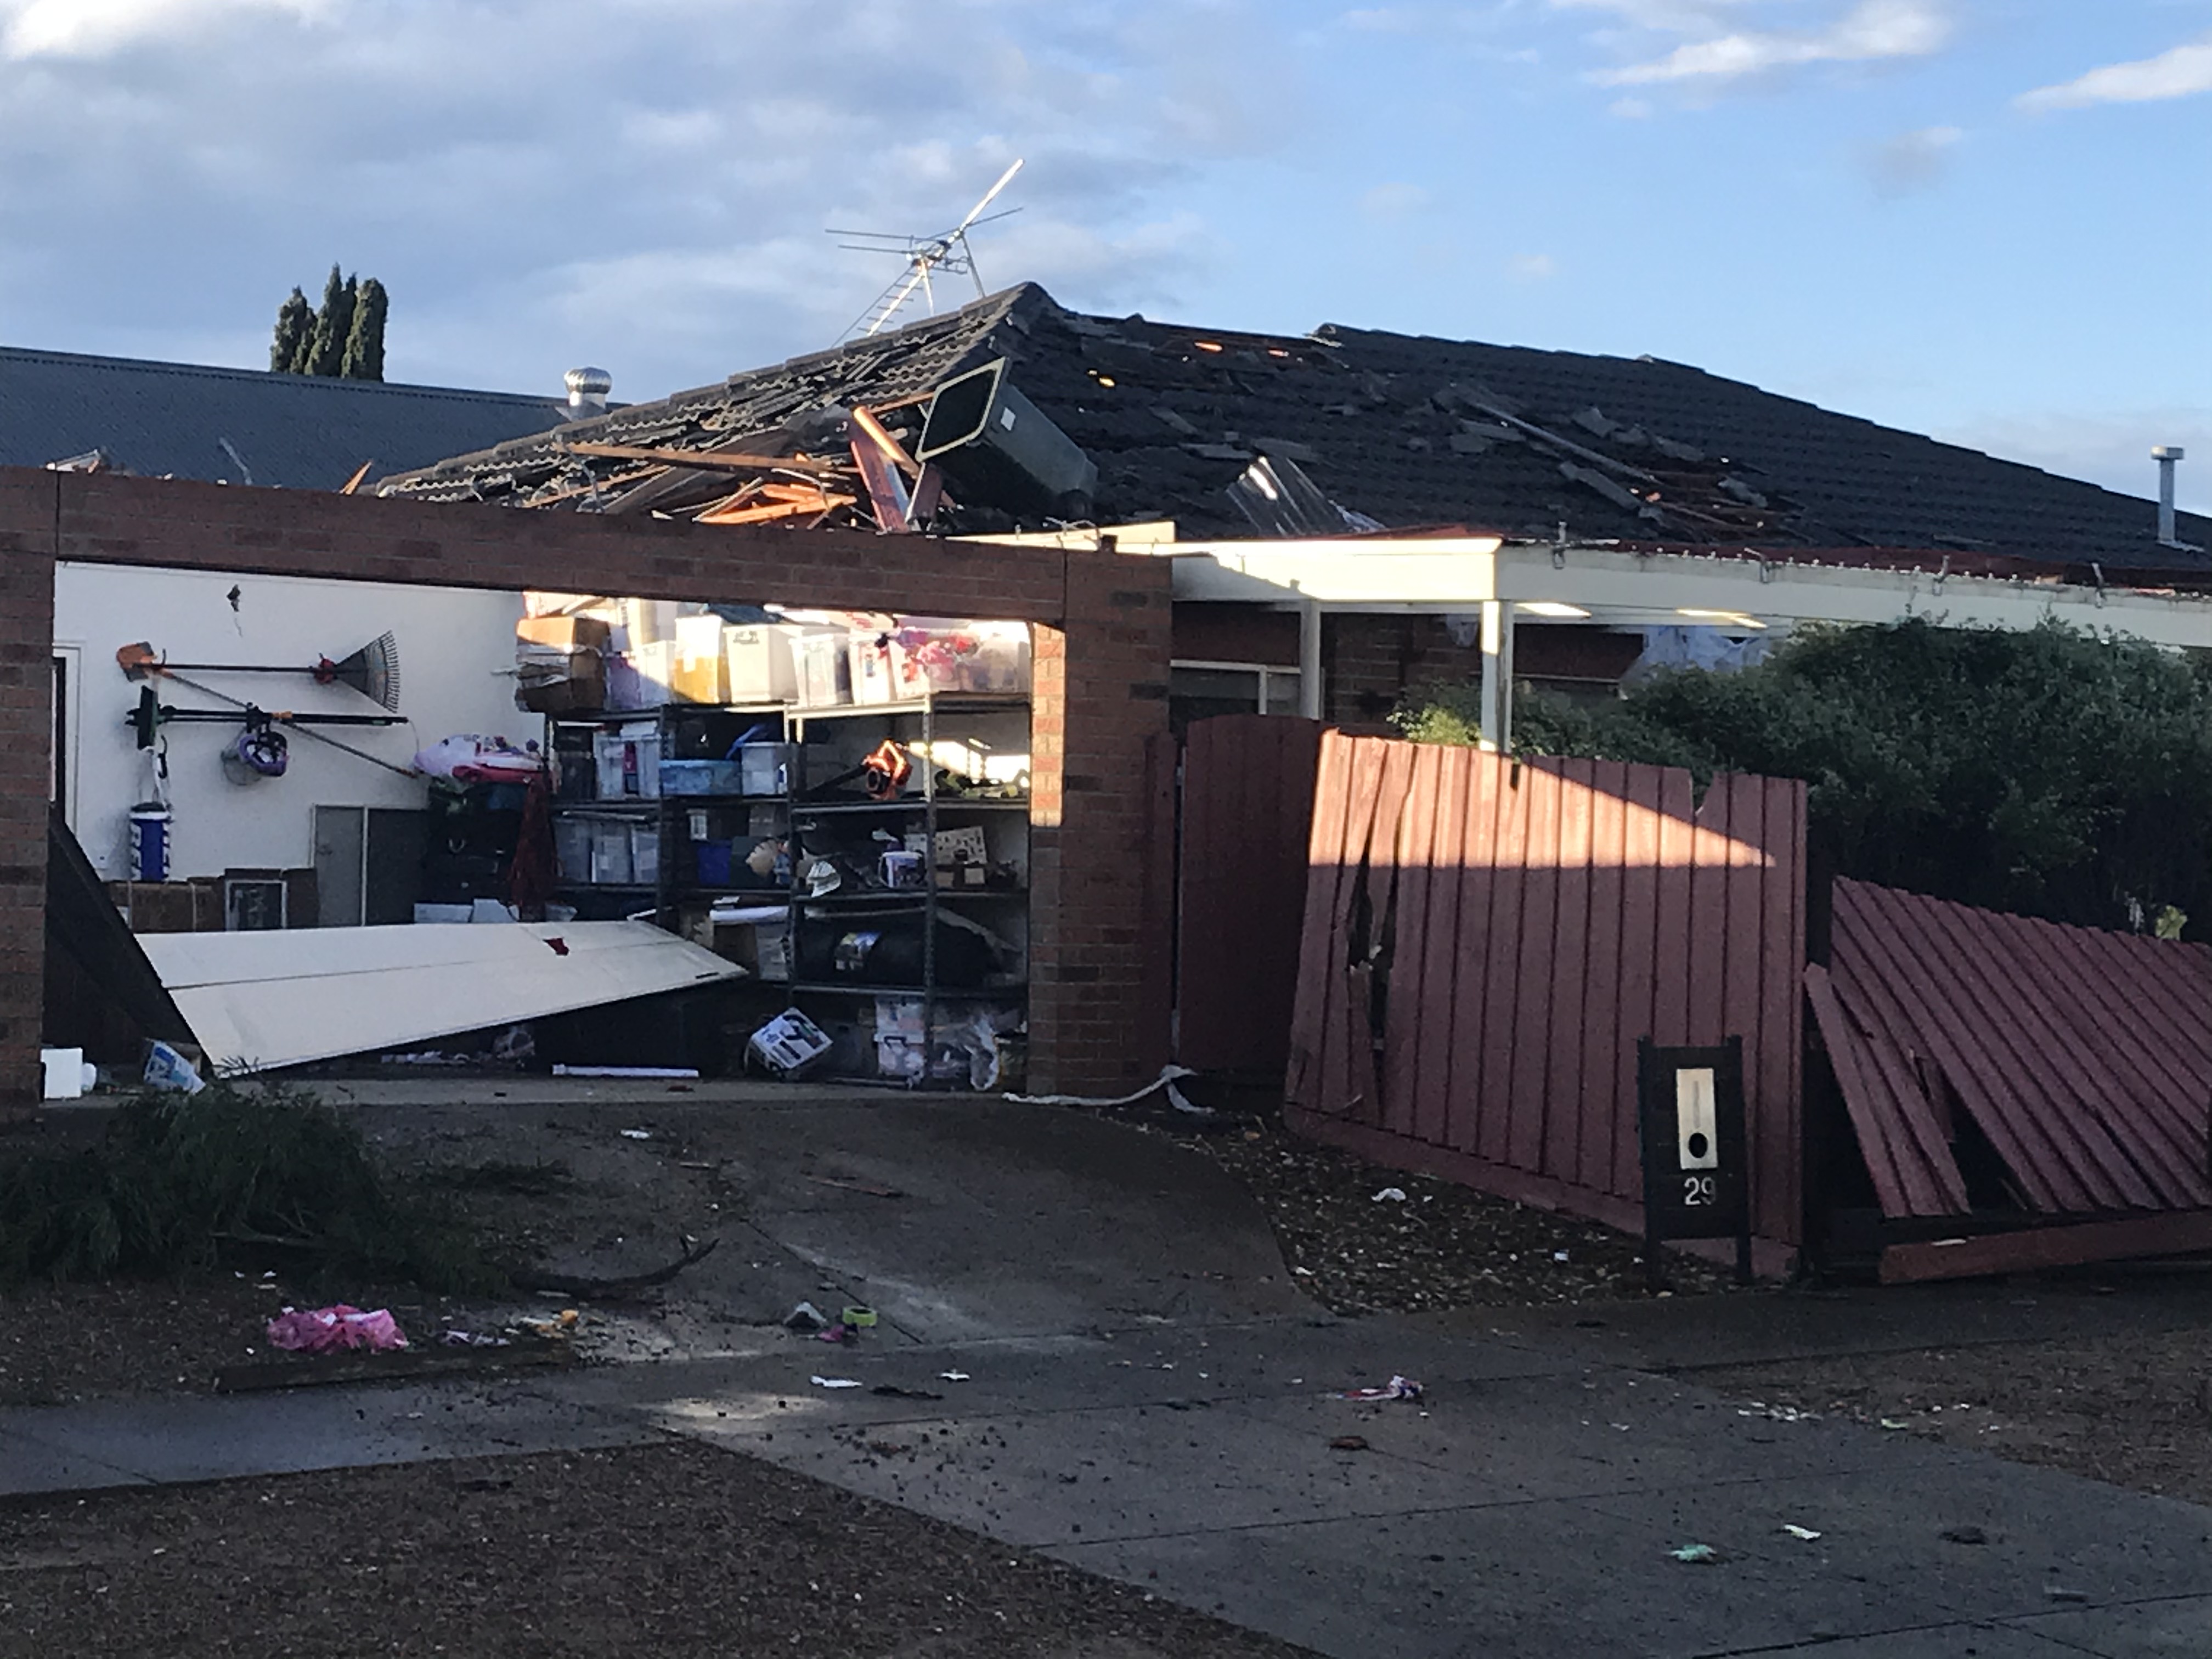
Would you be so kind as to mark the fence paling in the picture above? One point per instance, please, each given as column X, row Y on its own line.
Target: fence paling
column 1509, row 928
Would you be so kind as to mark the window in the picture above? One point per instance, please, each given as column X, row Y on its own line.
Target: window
column 1200, row 690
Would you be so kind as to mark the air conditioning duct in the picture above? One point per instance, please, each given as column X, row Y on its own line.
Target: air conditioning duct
column 997, row 448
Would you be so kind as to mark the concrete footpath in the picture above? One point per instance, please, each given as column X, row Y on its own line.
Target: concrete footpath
column 1528, row 1505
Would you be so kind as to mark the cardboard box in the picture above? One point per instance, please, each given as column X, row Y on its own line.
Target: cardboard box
column 759, row 661
column 560, row 663
column 562, row 634
column 700, row 668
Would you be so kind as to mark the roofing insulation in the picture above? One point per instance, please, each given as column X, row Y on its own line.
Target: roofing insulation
column 1404, row 431
column 2084, row 1057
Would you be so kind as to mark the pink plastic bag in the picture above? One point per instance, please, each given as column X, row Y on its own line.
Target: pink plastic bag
column 321, row 1330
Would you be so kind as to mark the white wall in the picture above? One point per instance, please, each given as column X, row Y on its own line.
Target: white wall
column 453, row 644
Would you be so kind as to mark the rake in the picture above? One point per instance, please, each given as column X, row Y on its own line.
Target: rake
column 372, row 670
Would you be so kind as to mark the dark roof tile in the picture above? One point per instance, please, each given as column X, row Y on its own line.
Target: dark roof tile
column 1378, row 412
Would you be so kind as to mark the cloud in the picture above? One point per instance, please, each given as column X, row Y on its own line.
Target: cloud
column 1392, row 201
column 1913, row 160
column 2182, row 71
column 1532, row 267
column 89, row 29
column 1719, row 51
column 643, row 183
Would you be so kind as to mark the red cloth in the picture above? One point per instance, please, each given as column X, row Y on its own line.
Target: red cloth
column 531, row 878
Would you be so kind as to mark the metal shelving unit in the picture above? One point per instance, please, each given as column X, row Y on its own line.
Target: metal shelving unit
column 672, row 881
column 817, row 736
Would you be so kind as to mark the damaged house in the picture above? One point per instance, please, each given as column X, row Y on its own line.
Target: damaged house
column 1199, row 436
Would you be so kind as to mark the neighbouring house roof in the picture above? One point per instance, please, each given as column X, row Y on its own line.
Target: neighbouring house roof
column 1401, row 430
column 297, row 431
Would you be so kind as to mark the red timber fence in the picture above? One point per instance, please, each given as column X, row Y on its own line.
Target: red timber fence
column 1486, row 936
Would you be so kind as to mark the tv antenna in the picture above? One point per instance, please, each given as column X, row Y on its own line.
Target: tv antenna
column 948, row 253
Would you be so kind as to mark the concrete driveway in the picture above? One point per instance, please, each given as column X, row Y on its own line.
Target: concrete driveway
column 1094, row 1351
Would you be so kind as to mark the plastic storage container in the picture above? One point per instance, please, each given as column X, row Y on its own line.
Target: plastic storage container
column 701, row 777
column 627, row 762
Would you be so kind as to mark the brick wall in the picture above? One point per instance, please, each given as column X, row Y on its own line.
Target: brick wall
column 1367, row 660
column 27, row 640
column 1098, row 919
column 1370, row 660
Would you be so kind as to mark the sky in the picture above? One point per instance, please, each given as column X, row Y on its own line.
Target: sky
column 1981, row 219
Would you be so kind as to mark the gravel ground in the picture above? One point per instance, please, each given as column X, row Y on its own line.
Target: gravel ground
column 2134, row 1410
column 74, row 1341
column 669, row 1550
column 1442, row 1245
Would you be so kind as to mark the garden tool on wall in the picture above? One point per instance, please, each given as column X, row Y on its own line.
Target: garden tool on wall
column 372, row 670
column 152, row 714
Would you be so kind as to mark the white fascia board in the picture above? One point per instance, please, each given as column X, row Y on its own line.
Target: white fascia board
column 1449, row 572
column 1602, row 578
column 1459, row 573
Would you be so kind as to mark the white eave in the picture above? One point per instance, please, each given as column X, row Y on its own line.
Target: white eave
column 1620, row 588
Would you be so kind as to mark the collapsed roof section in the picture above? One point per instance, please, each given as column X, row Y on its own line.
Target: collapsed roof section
column 1348, row 429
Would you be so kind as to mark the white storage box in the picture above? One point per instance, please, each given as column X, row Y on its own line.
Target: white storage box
column 629, row 762
column 571, row 850
column 880, row 672
column 610, row 851
column 762, row 668
column 822, row 663
column 761, row 768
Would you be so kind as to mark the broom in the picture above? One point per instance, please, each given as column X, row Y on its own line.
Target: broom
column 372, row 670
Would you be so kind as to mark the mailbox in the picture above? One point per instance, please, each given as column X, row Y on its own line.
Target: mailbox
column 1690, row 1119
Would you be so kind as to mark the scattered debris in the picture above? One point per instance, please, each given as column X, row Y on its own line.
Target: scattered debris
column 1447, row 1247
column 167, row 1069
column 1895, row 1423
column 1398, row 1388
column 653, row 1074
column 856, row 1187
column 636, row 1134
column 860, row 1318
column 1348, row 1443
column 452, row 1339
column 324, row 1330
column 954, row 1376
column 1390, row 1195
column 805, row 1318
column 561, row 1284
column 1805, row 1534
column 558, row 1328
column 1696, row 1555
column 834, row 1382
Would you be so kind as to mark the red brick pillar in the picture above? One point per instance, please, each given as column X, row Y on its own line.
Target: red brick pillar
column 1101, row 860
column 27, row 642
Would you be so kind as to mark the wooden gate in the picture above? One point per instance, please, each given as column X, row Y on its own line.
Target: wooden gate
column 1245, row 820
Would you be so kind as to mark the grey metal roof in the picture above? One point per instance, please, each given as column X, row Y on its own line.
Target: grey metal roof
column 1407, row 430
column 292, row 430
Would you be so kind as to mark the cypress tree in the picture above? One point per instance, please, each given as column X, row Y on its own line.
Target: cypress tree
column 295, row 326
column 333, row 324
column 364, row 349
